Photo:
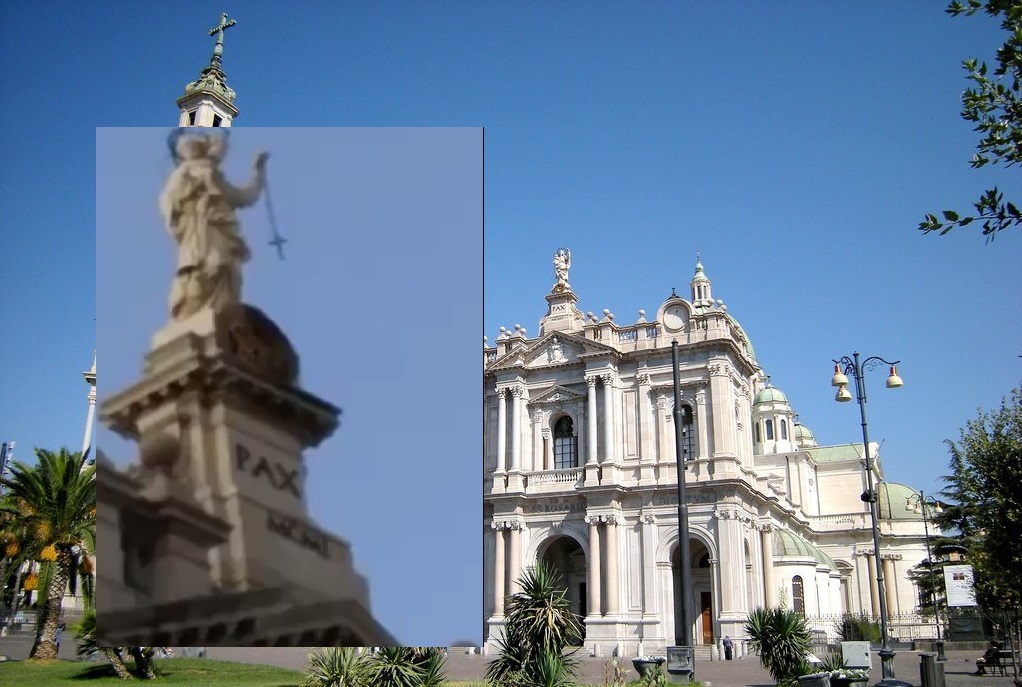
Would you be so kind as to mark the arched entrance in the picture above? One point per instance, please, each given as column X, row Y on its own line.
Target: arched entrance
column 700, row 605
column 566, row 556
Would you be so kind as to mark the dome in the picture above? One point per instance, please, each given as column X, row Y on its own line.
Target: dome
column 893, row 499
column 700, row 275
column 790, row 544
column 770, row 395
column 803, row 432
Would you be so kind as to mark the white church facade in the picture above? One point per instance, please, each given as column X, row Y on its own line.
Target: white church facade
column 580, row 472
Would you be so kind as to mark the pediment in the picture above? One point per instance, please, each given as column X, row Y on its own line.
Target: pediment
column 556, row 394
column 558, row 348
column 543, row 352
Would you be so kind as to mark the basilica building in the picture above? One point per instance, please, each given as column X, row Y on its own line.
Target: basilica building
column 580, row 472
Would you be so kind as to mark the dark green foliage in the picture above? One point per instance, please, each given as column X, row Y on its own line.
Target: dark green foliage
column 858, row 628
column 783, row 641
column 383, row 667
column 539, row 625
column 985, row 487
column 992, row 103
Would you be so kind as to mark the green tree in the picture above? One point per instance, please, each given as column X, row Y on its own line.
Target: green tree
column 993, row 104
column 783, row 641
column 57, row 503
column 985, row 487
column 538, row 627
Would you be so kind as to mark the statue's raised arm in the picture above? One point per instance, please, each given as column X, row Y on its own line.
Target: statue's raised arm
column 198, row 205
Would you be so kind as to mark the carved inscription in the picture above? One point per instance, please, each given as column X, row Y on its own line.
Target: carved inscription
column 279, row 477
column 300, row 533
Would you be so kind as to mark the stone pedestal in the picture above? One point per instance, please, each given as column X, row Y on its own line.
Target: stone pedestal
column 222, row 423
column 563, row 315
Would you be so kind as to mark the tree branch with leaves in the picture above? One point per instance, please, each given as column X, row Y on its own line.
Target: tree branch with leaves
column 993, row 104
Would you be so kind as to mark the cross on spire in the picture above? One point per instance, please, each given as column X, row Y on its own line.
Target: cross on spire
column 219, row 32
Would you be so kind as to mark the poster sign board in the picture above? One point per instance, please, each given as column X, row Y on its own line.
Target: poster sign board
column 958, row 583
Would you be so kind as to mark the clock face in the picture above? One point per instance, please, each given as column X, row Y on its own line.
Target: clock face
column 675, row 317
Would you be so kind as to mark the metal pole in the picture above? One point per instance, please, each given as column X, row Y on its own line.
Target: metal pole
column 933, row 585
column 683, row 569
column 886, row 653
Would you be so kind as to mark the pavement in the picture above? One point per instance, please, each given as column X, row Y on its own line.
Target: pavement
column 959, row 669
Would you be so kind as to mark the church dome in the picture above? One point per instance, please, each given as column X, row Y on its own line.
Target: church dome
column 803, row 432
column 893, row 502
column 770, row 395
column 790, row 544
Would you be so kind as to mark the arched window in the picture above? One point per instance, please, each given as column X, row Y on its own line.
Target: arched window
column 798, row 595
column 755, row 432
column 564, row 444
column 784, row 429
column 688, row 434
column 770, row 430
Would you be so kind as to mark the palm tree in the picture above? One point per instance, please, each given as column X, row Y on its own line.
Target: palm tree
column 783, row 641
column 538, row 626
column 58, row 500
column 383, row 667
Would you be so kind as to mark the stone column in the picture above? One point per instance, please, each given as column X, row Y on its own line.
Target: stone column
column 501, row 429
column 766, row 541
column 648, row 563
column 608, row 418
column 720, row 397
column 612, row 565
column 664, row 442
column 645, row 417
column 729, row 537
column 591, row 422
column 874, row 593
column 890, row 585
column 499, row 571
column 702, row 421
column 516, row 427
column 593, row 567
column 515, row 551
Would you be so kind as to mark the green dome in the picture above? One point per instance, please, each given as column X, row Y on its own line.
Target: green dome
column 893, row 500
column 699, row 275
column 790, row 544
column 803, row 432
column 770, row 395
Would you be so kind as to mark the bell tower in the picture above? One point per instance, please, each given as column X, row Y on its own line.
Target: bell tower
column 208, row 101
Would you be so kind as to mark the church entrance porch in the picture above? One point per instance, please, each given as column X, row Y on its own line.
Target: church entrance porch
column 701, row 608
column 566, row 557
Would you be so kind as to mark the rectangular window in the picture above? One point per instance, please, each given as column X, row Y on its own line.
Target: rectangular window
column 564, row 453
column 191, row 118
column 217, row 120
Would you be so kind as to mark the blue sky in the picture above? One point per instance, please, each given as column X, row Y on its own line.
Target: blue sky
column 379, row 294
column 797, row 145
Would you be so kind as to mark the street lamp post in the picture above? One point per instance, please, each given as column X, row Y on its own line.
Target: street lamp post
column 681, row 659
column 842, row 368
column 919, row 504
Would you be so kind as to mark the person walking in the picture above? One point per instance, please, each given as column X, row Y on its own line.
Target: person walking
column 729, row 648
column 60, row 628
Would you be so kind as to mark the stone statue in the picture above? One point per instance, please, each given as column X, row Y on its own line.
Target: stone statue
column 199, row 205
column 562, row 263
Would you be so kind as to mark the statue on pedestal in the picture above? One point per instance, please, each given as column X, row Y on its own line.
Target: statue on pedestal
column 199, row 205
column 562, row 263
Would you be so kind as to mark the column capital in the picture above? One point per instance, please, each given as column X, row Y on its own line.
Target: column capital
column 611, row 519
column 891, row 556
column 862, row 551
column 648, row 518
column 502, row 392
column 607, row 378
column 718, row 369
column 643, row 379
column 591, row 381
column 518, row 390
column 766, row 527
column 506, row 525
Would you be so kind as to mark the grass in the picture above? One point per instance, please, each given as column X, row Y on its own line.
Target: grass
column 178, row 671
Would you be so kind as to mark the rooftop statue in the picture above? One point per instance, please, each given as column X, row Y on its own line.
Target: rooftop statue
column 562, row 263
column 198, row 205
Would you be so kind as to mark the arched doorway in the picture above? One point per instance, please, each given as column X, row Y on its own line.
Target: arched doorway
column 567, row 558
column 700, row 606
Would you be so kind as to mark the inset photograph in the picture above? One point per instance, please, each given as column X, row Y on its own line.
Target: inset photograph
column 286, row 420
